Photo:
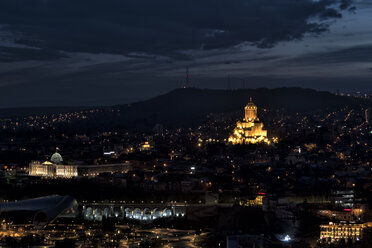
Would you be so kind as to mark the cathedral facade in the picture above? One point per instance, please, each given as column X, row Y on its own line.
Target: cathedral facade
column 250, row 130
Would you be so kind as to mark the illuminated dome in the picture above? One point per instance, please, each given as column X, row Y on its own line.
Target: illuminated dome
column 56, row 158
column 250, row 111
column 251, row 104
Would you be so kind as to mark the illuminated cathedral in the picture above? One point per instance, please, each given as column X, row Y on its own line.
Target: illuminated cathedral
column 250, row 130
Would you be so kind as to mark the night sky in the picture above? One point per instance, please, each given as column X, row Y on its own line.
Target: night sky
column 102, row 52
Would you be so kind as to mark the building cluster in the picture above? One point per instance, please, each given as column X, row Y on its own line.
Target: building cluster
column 314, row 184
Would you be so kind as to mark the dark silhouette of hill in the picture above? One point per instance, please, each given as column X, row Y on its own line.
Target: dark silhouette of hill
column 184, row 107
column 19, row 112
column 192, row 105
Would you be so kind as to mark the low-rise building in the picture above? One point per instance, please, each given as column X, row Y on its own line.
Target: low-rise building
column 55, row 168
column 334, row 232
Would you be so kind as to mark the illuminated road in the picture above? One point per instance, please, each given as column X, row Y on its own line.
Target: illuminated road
column 165, row 237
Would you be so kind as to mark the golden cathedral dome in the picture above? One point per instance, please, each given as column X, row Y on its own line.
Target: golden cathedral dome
column 251, row 105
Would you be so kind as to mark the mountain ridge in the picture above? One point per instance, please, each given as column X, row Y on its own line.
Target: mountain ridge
column 191, row 104
column 186, row 106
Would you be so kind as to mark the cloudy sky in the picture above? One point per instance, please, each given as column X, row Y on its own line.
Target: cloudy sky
column 101, row 52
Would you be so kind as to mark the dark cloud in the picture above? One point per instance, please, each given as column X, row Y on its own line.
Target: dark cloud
column 345, row 4
column 346, row 55
column 162, row 27
column 12, row 54
column 330, row 13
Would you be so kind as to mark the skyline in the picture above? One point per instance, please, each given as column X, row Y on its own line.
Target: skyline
column 88, row 53
column 186, row 123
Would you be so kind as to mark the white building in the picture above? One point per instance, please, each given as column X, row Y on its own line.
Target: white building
column 54, row 168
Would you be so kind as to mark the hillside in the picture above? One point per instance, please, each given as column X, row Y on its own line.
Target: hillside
column 183, row 107
column 19, row 112
column 191, row 105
